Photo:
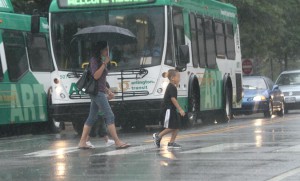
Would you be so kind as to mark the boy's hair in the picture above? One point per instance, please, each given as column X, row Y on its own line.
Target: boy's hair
column 171, row 73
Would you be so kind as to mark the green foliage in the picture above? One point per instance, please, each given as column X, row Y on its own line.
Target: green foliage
column 270, row 31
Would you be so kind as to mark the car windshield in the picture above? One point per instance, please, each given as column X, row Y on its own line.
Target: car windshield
column 147, row 24
column 289, row 79
column 254, row 83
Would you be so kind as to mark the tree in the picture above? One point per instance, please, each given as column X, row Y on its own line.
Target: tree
column 269, row 32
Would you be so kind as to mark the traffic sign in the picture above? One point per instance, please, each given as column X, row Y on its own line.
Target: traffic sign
column 247, row 66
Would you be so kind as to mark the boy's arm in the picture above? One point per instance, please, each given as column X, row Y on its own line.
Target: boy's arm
column 176, row 104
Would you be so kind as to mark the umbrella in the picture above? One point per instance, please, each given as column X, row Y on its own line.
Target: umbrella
column 111, row 34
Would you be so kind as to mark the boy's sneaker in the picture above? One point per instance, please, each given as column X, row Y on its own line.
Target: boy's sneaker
column 109, row 143
column 156, row 140
column 174, row 145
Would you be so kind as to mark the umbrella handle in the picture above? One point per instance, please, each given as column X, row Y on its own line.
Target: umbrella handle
column 114, row 63
column 84, row 64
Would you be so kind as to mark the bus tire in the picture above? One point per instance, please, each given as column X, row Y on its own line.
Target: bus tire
column 193, row 102
column 52, row 125
column 140, row 124
column 126, row 125
column 227, row 111
column 78, row 126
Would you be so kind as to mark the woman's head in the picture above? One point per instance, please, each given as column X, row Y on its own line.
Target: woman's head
column 100, row 49
column 173, row 76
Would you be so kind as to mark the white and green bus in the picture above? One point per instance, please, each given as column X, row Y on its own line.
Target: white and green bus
column 25, row 68
column 198, row 37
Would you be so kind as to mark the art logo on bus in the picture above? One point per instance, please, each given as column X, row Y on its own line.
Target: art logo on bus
column 24, row 102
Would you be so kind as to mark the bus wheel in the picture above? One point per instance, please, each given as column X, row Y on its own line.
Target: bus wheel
column 208, row 119
column 54, row 126
column 78, row 126
column 126, row 125
column 140, row 124
column 193, row 109
column 227, row 112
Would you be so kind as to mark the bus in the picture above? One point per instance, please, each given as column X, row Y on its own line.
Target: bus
column 25, row 68
column 200, row 38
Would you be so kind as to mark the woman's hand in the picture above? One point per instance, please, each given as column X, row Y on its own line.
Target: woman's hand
column 107, row 60
column 110, row 94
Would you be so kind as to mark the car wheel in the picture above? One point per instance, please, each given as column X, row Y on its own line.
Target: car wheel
column 269, row 112
column 282, row 110
column 286, row 110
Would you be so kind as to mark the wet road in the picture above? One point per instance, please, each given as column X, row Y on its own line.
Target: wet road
column 247, row 148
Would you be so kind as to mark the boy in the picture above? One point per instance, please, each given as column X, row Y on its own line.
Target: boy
column 171, row 117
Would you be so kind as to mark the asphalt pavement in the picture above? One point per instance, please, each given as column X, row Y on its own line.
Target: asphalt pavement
column 246, row 148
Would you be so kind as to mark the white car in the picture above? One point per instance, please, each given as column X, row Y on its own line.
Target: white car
column 289, row 84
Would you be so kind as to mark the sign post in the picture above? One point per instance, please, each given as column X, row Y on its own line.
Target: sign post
column 247, row 67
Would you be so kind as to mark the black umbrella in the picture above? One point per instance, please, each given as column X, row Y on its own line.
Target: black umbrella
column 111, row 34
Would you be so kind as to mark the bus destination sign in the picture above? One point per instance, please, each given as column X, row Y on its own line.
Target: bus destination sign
column 98, row 3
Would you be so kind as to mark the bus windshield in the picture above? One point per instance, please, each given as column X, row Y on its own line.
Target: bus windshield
column 147, row 24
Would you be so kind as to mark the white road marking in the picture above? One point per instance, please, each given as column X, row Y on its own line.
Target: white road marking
column 17, row 141
column 55, row 152
column 286, row 175
column 2, row 151
column 127, row 150
column 220, row 148
column 295, row 148
column 49, row 153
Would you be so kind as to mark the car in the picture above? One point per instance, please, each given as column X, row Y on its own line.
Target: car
column 289, row 84
column 260, row 95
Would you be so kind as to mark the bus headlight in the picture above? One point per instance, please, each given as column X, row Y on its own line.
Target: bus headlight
column 58, row 90
column 259, row 98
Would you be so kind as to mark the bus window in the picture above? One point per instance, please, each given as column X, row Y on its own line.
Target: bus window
column 15, row 52
column 201, row 42
column 1, row 71
column 210, row 43
column 230, row 47
column 169, row 52
column 220, row 39
column 193, row 29
column 38, row 53
column 178, row 30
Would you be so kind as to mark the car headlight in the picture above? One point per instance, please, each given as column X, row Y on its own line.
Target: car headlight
column 259, row 98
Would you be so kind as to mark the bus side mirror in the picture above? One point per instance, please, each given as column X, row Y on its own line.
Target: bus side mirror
column 35, row 24
column 184, row 57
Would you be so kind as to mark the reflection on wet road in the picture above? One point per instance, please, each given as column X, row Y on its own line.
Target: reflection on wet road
column 248, row 148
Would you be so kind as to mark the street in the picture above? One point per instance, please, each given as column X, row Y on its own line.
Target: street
column 247, row 148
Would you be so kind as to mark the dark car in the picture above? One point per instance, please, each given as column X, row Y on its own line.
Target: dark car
column 261, row 96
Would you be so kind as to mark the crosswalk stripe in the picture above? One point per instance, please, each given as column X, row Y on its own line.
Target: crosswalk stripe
column 129, row 150
column 219, row 147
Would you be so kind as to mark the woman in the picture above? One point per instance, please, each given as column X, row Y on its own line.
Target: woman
column 98, row 65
